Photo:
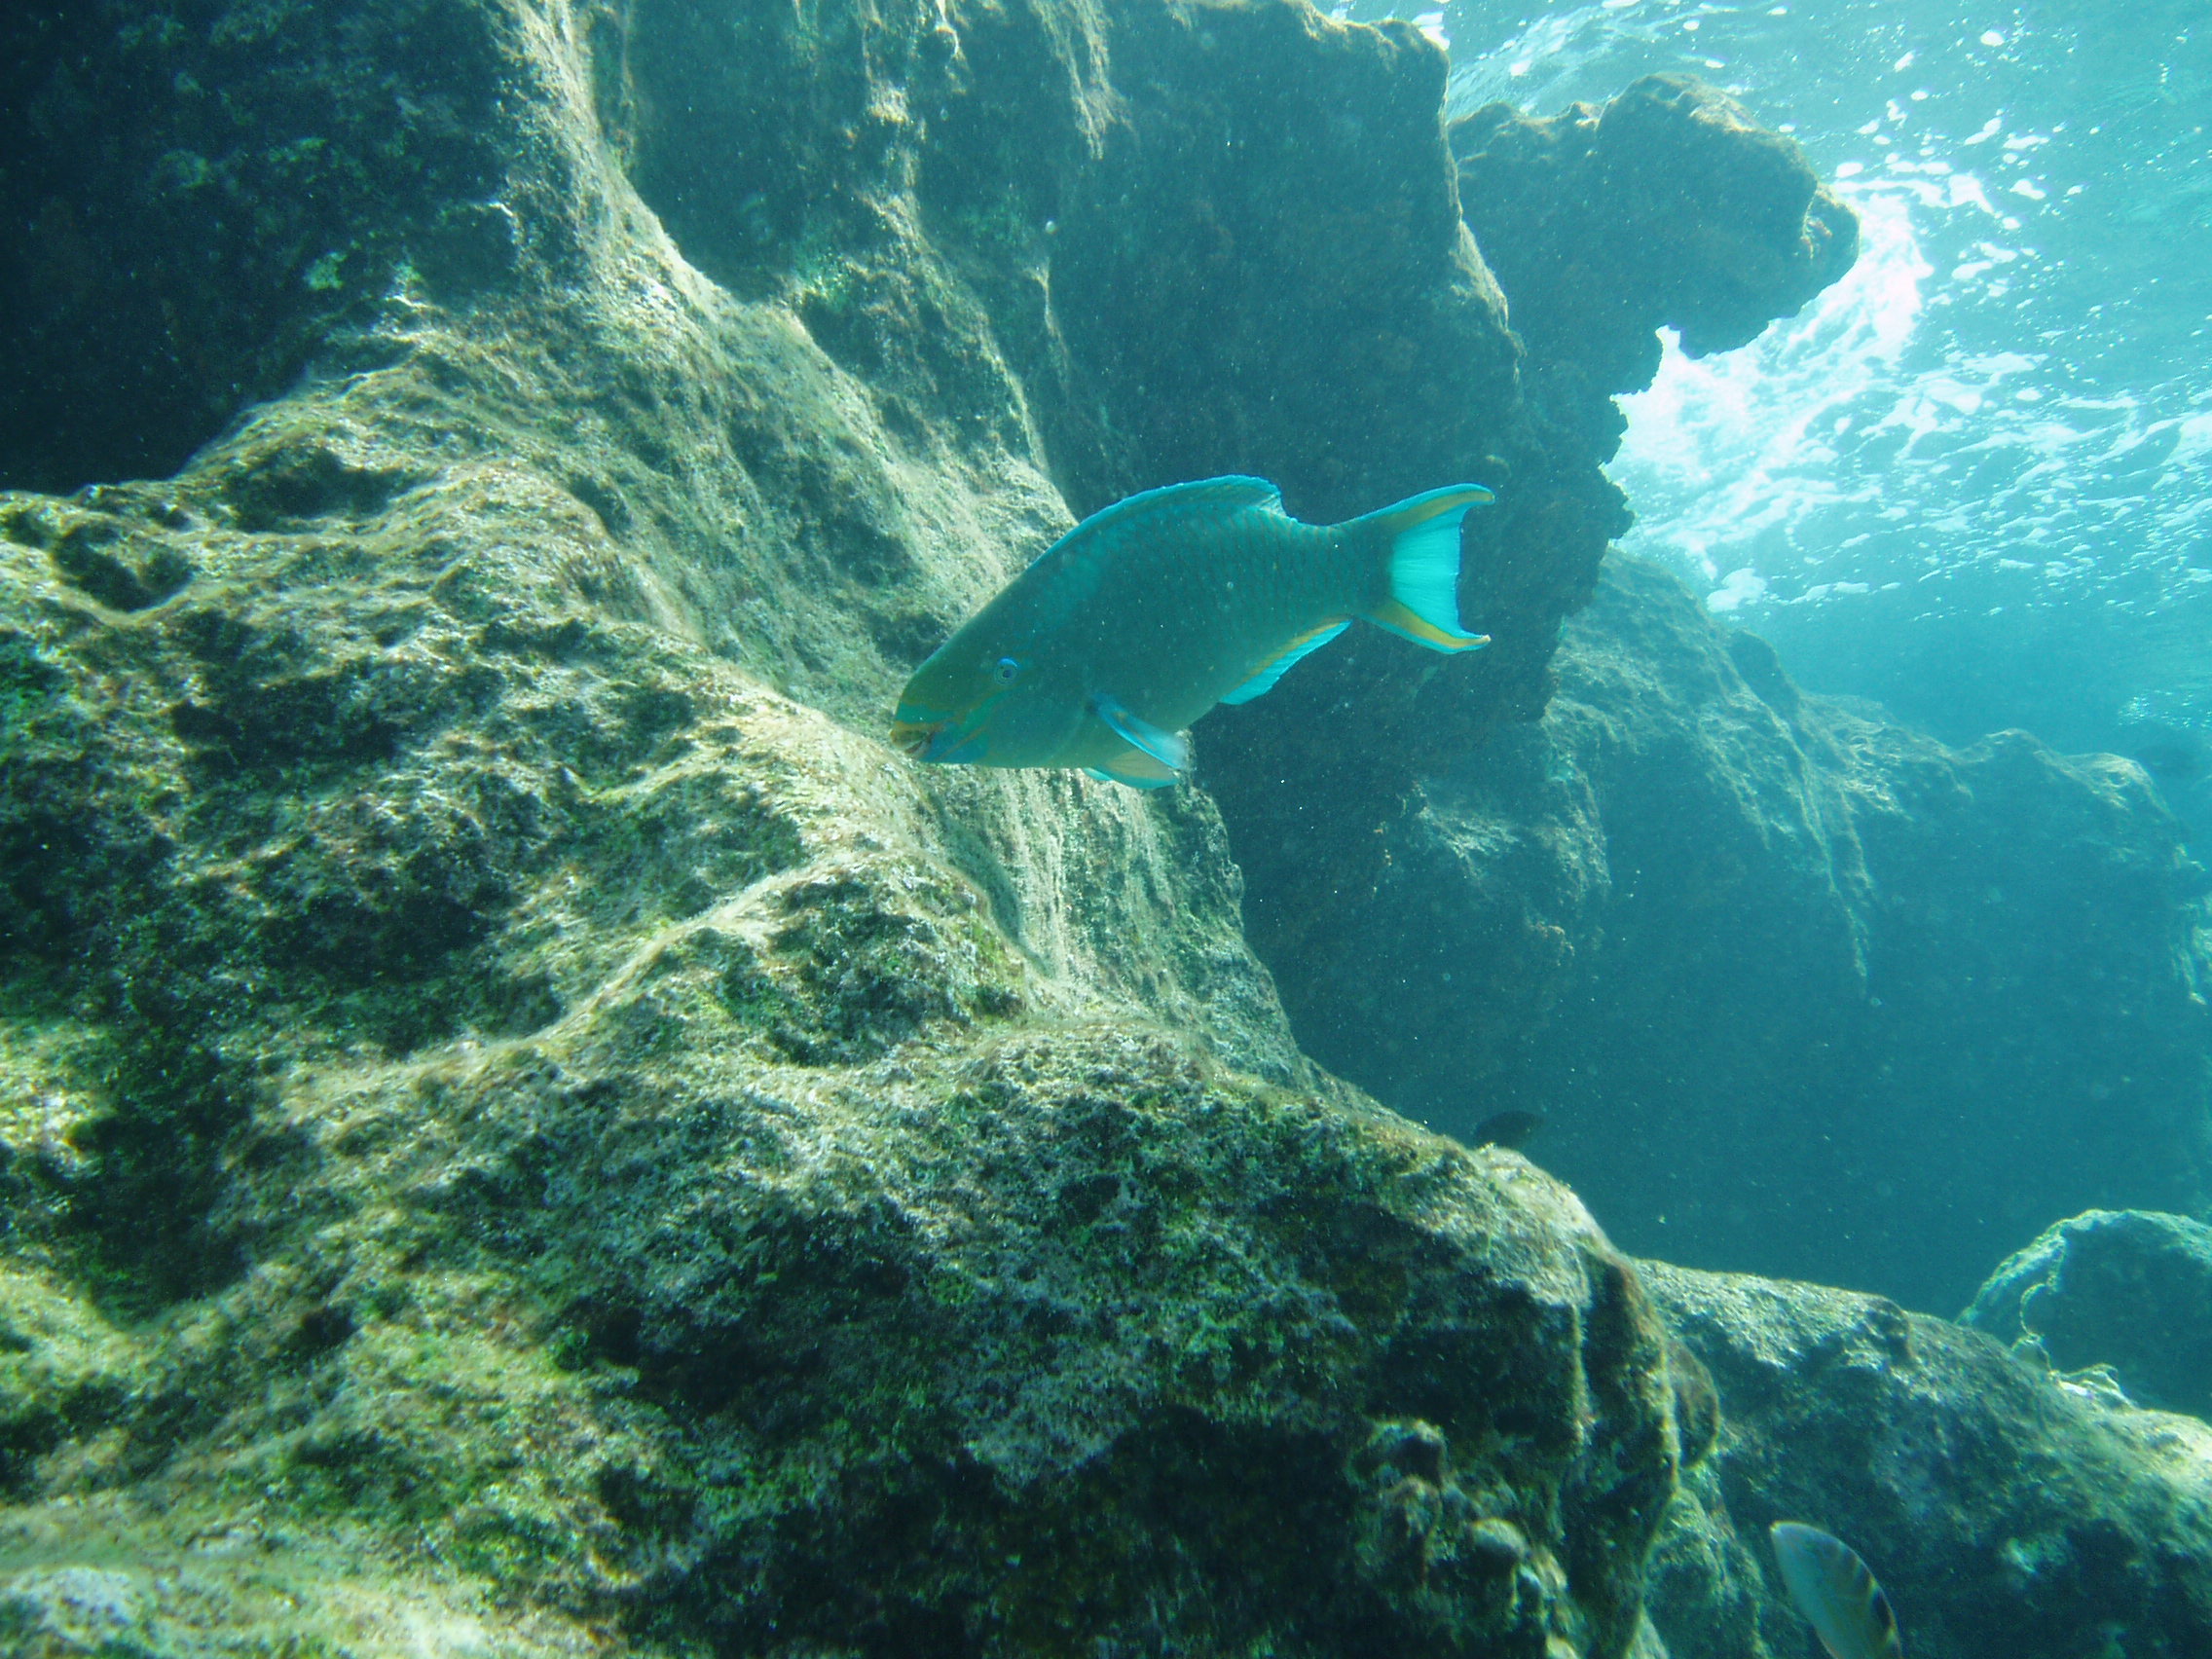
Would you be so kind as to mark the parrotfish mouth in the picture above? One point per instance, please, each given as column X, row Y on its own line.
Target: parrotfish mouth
column 914, row 737
column 948, row 742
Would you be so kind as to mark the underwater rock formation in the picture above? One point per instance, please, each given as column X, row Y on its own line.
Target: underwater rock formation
column 2126, row 1290
column 1670, row 207
column 524, row 1121
column 526, row 1127
column 2004, row 1511
column 1798, row 989
column 198, row 194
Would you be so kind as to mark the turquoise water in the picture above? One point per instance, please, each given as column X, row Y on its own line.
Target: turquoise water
column 1971, row 481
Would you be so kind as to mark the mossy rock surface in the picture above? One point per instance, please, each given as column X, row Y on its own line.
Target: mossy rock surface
column 530, row 1130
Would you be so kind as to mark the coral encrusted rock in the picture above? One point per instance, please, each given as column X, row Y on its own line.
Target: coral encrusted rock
column 524, row 1126
column 2004, row 1510
column 2127, row 1290
column 1670, row 207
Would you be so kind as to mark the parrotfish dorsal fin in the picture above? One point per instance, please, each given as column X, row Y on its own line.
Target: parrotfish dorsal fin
column 1171, row 749
column 1275, row 667
column 1423, row 536
column 1216, row 496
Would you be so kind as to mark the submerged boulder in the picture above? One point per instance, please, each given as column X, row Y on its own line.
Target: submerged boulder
column 2126, row 1290
column 1668, row 208
column 2002, row 1510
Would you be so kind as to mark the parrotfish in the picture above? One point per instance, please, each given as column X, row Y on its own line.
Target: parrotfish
column 1836, row 1593
column 1148, row 614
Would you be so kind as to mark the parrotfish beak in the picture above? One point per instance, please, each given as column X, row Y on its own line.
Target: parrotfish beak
column 948, row 740
column 914, row 737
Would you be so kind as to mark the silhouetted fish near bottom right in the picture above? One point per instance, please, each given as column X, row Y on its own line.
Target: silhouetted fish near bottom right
column 1836, row 1593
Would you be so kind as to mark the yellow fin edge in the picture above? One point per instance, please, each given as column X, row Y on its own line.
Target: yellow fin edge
column 1401, row 618
column 1442, row 502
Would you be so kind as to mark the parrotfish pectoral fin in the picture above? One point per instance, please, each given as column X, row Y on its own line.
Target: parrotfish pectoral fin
column 1171, row 749
column 1424, row 533
column 1135, row 768
column 1305, row 646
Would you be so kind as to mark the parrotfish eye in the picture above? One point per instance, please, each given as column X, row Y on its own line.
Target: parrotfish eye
column 1006, row 671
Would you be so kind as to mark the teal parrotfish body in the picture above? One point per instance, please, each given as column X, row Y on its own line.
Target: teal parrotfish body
column 1836, row 1593
column 1149, row 612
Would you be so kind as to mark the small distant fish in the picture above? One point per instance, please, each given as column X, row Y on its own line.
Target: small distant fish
column 1509, row 1129
column 1836, row 1593
column 1148, row 614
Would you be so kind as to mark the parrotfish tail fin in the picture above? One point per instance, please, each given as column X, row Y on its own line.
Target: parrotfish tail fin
column 1422, row 535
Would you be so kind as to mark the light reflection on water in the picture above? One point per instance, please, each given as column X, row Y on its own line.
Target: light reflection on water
column 1973, row 479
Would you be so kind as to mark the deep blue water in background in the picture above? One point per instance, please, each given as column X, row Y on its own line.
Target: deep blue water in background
column 1972, row 482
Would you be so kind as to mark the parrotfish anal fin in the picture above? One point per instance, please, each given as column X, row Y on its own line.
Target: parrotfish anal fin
column 1305, row 646
column 1135, row 768
column 1206, row 498
column 1423, row 535
column 1171, row 749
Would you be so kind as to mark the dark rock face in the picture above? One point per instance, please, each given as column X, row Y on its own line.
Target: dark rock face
column 198, row 194
column 2129, row 1290
column 2002, row 1511
column 1670, row 207
column 1267, row 263
column 1782, row 974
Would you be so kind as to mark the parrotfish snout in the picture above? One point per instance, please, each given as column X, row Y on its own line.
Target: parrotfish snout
column 914, row 737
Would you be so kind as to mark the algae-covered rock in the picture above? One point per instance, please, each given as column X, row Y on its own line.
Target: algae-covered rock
column 1091, row 1344
column 528, row 1129
column 2126, row 1290
column 2002, row 1511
